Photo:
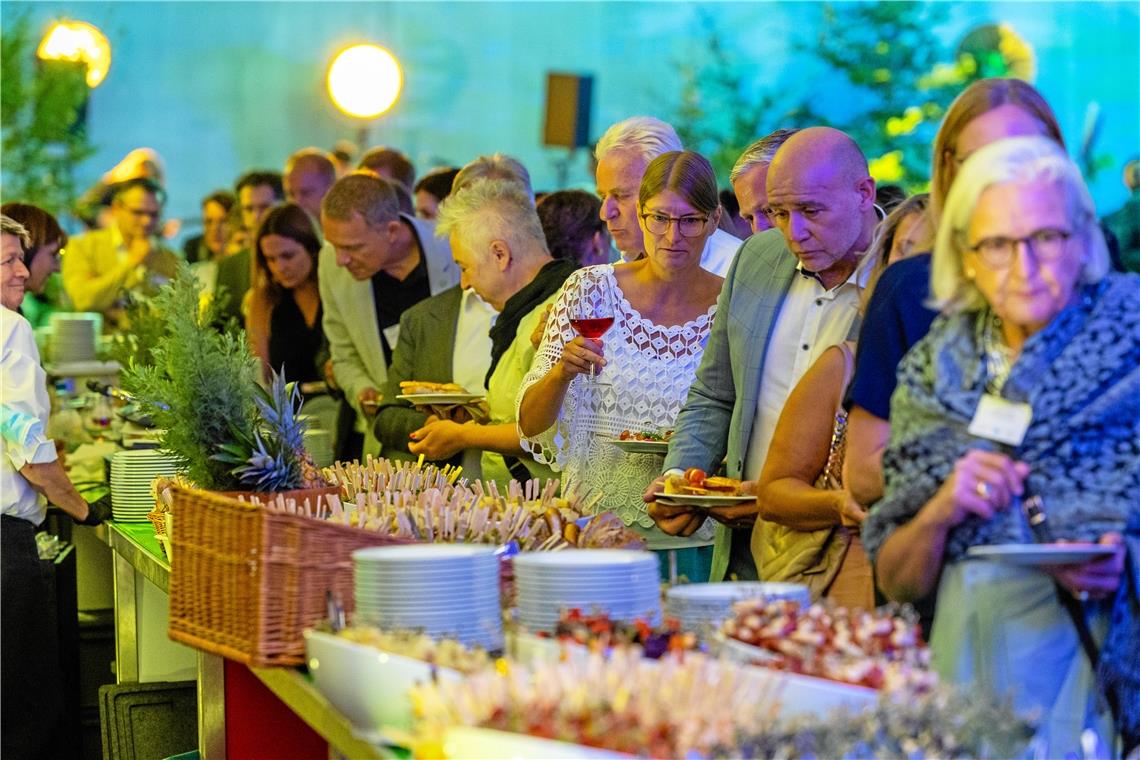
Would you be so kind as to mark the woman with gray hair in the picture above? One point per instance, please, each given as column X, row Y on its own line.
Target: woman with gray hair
column 1022, row 401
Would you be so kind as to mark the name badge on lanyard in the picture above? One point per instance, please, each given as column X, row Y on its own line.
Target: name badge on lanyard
column 1000, row 420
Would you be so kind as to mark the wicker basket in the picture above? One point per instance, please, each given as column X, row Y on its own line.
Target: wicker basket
column 250, row 580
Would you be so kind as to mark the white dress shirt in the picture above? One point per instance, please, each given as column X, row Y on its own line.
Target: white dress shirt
column 471, row 354
column 720, row 252
column 25, row 415
column 811, row 320
column 471, row 357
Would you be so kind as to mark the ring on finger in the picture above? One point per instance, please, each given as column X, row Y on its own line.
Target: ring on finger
column 983, row 489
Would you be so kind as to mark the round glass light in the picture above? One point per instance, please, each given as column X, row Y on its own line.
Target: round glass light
column 364, row 80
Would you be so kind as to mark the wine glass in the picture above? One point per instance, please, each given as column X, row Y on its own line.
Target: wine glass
column 592, row 312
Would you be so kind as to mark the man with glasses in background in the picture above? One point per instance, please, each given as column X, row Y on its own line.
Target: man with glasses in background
column 102, row 267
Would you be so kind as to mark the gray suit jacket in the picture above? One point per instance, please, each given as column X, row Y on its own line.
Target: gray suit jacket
column 350, row 316
column 718, row 413
column 423, row 352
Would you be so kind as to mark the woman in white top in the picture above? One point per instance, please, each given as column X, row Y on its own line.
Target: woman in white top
column 30, row 681
column 663, row 305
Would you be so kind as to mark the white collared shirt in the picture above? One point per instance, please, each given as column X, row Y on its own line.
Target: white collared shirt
column 471, row 357
column 471, row 354
column 720, row 252
column 811, row 320
column 26, row 408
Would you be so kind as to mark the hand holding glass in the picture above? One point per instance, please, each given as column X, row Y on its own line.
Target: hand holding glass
column 592, row 312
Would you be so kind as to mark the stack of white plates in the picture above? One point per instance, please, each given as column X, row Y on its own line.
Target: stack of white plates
column 623, row 584
column 73, row 336
column 697, row 606
column 131, row 475
column 319, row 444
column 445, row 590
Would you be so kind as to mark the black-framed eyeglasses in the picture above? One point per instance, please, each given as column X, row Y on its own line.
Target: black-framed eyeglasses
column 1046, row 244
column 688, row 226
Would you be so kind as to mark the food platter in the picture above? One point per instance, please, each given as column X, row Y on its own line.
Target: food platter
column 701, row 500
column 633, row 446
column 434, row 399
column 1042, row 554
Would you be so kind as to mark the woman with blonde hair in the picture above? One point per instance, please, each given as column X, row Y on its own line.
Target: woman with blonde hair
column 897, row 317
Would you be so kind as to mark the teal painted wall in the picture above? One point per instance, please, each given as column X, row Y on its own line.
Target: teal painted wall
column 220, row 87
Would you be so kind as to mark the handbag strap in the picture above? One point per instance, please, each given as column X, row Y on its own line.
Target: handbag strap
column 832, row 475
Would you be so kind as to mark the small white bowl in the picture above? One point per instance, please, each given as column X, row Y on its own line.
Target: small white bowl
column 368, row 685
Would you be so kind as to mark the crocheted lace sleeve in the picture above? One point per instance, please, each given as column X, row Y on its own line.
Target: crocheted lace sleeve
column 646, row 379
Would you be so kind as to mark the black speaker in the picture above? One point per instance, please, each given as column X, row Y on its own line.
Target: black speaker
column 567, row 110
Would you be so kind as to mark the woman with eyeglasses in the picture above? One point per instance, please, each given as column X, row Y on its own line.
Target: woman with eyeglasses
column 582, row 392
column 1022, row 400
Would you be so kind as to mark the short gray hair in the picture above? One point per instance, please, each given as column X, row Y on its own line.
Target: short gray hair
column 760, row 152
column 9, row 226
column 491, row 209
column 644, row 135
column 495, row 166
column 1014, row 159
column 364, row 193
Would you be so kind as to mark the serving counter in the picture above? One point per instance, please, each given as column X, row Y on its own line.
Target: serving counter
column 243, row 712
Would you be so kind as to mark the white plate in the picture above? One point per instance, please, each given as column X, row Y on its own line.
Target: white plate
column 432, row 555
column 577, row 558
column 695, row 500
column 1042, row 554
column 717, row 594
column 431, row 399
column 631, row 446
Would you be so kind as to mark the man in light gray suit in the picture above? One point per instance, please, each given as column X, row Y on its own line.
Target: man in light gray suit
column 381, row 263
column 790, row 294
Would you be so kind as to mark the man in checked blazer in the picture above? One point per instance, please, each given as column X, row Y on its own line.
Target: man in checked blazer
column 792, row 292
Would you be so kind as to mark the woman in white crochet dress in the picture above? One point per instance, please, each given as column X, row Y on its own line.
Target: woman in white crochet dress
column 663, row 306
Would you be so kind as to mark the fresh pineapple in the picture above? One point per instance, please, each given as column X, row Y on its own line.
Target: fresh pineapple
column 274, row 457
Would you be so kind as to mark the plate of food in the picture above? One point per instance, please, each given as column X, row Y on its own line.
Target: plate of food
column 643, row 441
column 698, row 489
column 424, row 393
column 1042, row 554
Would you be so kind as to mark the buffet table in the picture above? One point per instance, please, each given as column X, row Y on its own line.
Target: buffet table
column 265, row 694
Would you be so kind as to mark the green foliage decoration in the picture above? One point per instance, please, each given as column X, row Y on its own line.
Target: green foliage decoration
column 148, row 328
column 205, row 379
column 40, row 107
column 889, row 79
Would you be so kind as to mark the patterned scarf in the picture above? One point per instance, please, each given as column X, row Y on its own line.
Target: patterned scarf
column 1081, row 376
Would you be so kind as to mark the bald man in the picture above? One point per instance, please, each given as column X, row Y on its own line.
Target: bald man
column 792, row 292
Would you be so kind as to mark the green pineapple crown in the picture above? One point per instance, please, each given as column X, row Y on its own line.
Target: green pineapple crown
column 227, row 432
column 270, row 459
